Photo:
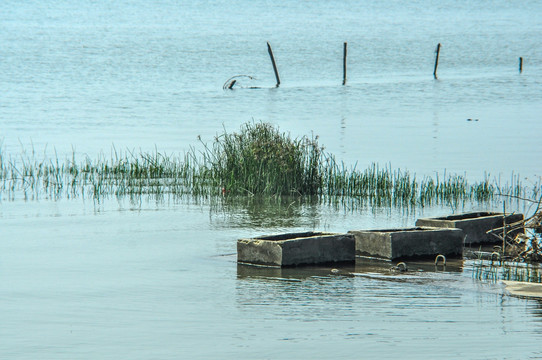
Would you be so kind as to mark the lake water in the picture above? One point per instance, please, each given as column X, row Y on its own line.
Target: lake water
column 158, row 279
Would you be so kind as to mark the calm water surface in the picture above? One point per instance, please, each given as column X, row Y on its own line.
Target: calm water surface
column 159, row 280
column 78, row 75
column 89, row 281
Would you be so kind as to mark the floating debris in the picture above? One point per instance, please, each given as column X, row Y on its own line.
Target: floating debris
column 228, row 85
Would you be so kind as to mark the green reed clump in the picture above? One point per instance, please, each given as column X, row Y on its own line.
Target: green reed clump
column 261, row 160
column 381, row 186
column 385, row 186
column 257, row 160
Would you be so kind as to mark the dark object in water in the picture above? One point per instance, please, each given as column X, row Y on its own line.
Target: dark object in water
column 228, row 85
column 270, row 51
column 400, row 267
column 440, row 256
column 344, row 62
column 436, row 61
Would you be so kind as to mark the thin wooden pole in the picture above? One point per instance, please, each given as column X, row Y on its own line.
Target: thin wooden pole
column 436, row 61
column 274, row 64
column 344, row 62
column 504, row 228
column 520, row 65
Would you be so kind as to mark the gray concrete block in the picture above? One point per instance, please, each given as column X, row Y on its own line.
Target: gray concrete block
column 408, row 243
column 296, row 249
column 475, row 225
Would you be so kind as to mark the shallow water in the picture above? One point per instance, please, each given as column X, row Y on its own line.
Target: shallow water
column 81, row 280
column 86, row 76
column 158, row 279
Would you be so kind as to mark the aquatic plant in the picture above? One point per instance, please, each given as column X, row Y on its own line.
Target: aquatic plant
column 260, row 159
column 256, row 160
column 522, row 239
column 519, row 257
column 491, row 270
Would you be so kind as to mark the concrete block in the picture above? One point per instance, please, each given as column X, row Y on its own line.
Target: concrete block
column 409, row 242
column 475, row 225
column 296, row 249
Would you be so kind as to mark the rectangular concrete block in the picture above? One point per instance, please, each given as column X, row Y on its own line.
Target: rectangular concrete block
column 296, row 249
column 408, row 243
column 475, row 225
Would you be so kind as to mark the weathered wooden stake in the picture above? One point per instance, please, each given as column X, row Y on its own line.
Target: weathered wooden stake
column 344, row 62
column 504, row 228
column 520, row 65
column 274, row 64
column 436, row 61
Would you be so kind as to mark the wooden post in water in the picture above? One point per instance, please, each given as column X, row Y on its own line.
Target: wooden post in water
column 504, row 229
column 520, row 65
column 344, row 62
column 436, row 61
column 274, row 64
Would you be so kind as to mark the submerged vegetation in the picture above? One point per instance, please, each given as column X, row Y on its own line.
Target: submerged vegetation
column 257, row 160
column 520, row 253
column 493, row 271
column 522, row 240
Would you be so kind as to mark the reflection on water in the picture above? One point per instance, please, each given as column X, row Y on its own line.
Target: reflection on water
column 309, row 213
column 536, row 310
column 426, row 311
column 418, row 267
column 274, row 212
column 494, row 270
column 363, row 266
column 155, row 279
column 296, row 274
column 297, row 294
